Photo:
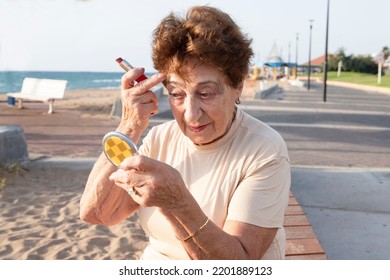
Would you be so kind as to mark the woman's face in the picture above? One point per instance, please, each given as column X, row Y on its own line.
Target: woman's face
column 203, row 104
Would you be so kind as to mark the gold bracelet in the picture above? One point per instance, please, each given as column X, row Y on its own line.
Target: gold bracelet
column 195, row 232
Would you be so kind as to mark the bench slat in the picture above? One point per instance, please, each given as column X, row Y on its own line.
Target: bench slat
column 294, row 210
column 296, row 220
column 307, row 257
column 299, row 232
column 29, row 97
column 303, row 246
column 53, row 89
column 292, row 201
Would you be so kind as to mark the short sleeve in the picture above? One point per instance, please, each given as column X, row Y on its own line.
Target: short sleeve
column 262, row 196
column 144, row 149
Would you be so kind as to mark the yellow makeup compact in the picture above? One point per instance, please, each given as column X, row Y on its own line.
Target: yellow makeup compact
column 118, row 146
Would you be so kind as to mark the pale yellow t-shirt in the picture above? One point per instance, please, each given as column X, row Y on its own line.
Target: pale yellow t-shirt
column 244, row 176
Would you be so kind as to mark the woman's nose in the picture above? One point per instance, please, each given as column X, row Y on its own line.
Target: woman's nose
column 193, row 110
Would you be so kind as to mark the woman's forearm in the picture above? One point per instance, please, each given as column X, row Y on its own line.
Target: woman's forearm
column 102, row 202
column 208, row 240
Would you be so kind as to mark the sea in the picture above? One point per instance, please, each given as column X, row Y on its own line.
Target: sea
column 11, row 81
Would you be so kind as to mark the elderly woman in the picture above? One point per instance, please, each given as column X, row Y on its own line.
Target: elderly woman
column 214, row 182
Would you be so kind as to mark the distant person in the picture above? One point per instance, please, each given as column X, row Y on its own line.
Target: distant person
column 214, row 182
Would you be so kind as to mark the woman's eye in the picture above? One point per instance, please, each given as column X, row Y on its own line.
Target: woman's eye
column 207, row 95
column 177, row 96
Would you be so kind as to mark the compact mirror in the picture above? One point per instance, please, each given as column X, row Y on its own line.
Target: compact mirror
column 118, row 146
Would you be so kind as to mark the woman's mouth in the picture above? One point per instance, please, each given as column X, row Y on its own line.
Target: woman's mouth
column 197, row 128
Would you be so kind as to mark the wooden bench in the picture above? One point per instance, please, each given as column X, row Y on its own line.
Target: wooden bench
column 46, row 90
column 302, row 243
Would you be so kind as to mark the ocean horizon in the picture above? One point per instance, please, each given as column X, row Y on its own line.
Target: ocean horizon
column 11, row 81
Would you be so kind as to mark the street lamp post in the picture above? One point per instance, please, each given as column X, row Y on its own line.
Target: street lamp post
column 289, row 59
column 296, row 58
column 326, row 52
column 309, row 70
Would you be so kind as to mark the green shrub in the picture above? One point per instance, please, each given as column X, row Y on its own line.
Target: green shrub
column 7, row 171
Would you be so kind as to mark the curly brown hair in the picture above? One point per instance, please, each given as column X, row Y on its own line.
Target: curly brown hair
column 206, row 34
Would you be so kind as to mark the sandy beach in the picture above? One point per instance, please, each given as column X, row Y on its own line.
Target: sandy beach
column 39, row 219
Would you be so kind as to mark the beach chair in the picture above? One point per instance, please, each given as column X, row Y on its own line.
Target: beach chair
column 45, row 90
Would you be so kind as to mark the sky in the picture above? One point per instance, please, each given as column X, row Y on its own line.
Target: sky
column 88, row 35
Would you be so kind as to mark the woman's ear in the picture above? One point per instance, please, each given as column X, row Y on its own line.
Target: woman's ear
column 240, row 88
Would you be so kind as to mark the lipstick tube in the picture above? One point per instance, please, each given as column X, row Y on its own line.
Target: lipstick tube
column 127, row 66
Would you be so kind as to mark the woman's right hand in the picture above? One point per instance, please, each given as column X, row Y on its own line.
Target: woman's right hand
column 138, row 101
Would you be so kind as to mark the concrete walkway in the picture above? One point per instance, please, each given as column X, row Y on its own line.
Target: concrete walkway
column 349, row 209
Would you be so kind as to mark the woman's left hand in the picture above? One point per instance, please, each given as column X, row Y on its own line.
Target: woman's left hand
column 154, row 183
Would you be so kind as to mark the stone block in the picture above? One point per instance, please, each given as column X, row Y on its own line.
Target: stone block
column 13, row 146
